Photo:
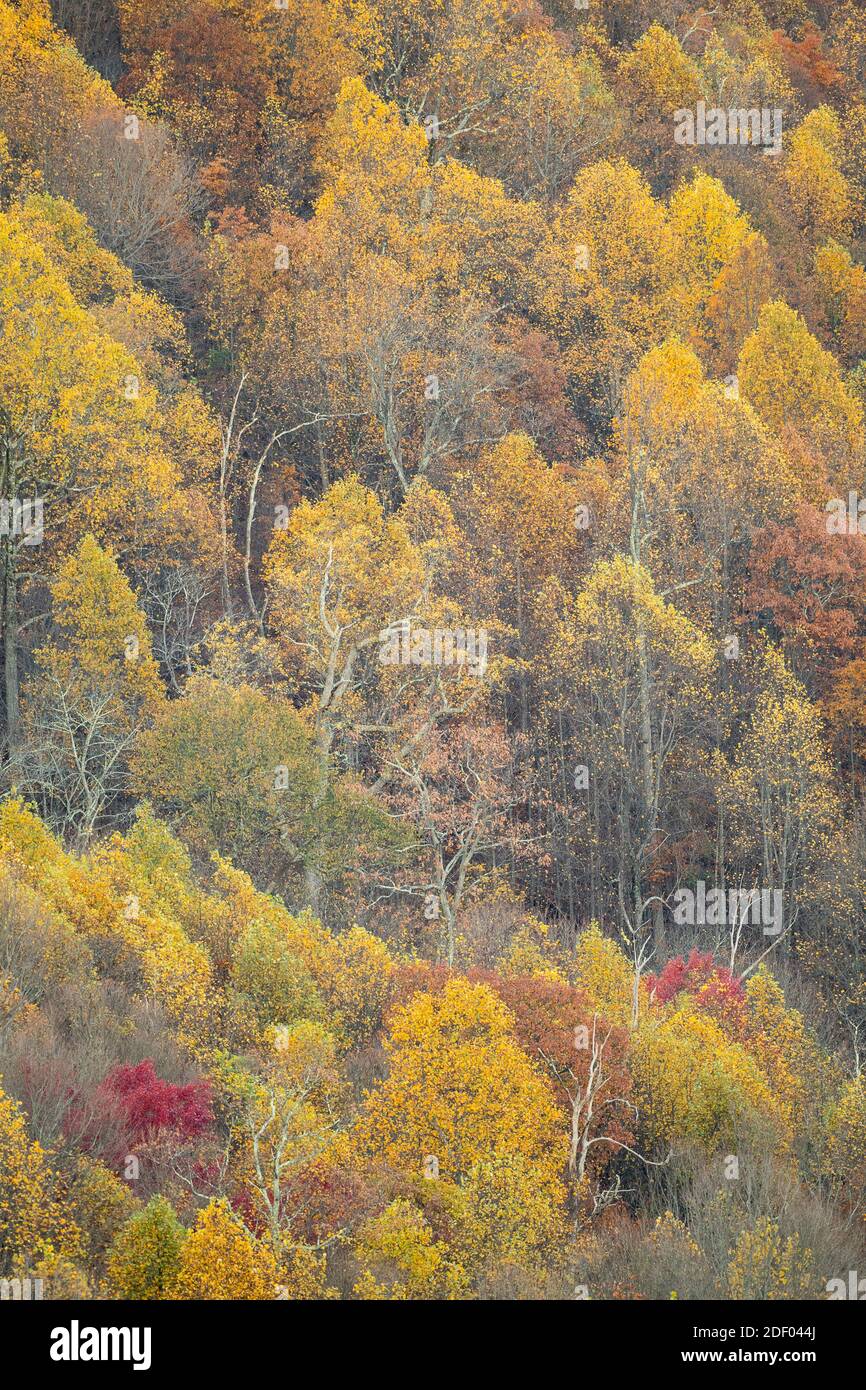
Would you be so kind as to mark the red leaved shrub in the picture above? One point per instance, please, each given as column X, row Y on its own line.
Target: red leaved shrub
column 152, row 1105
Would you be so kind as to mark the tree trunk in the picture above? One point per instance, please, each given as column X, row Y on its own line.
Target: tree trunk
column 648, row 783
column 10, row 642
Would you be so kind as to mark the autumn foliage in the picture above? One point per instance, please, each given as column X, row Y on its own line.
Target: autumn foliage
column 433, row 632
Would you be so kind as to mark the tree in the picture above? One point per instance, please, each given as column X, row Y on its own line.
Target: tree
column 786, row 1051
column 739, row 292
column 842, row 285
column 603, row 277
column 764, row 1266
column 144, row 1258
column 359, row 985
column 97, row 686
column 557, row 112
column 460, row 1088
column 455, row 787
column 410, row 363
column 72, row 436
column 844, row 1156
column 125, row 175
column 290, row 1119
column 706, row 230
column 93, row 26
column 637, row 673
column 399, row 1246
column 520, row 513
column 806, row 587
column 793, row 383
column 698, row 467
column 340, row 573
column 238, row 772
column 695, row 1086
column 587, row 1059
column 817, row 186
column 712, row 988
column 34, row 1220
column 275, row 976
column 211, row 760
column 777, row 785
column 658, row 78
column 606, row 978
column 221, row 1260
column 510, row 1229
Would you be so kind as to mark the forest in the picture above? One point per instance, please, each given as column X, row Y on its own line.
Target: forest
column 433, row 626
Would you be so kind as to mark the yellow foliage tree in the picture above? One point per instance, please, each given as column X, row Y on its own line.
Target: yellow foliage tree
column 694, row 1086
column 820, row 193
column 220, row 1259
column 34, row 1219
column 603, row 971
column 509, row 1223
column 460, row 1088
column 78, row 424
column 794, row 383
column 844, row 1147
column 339, row 574
column 96, row 687
column 764, row 1266
column 401, row 1259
